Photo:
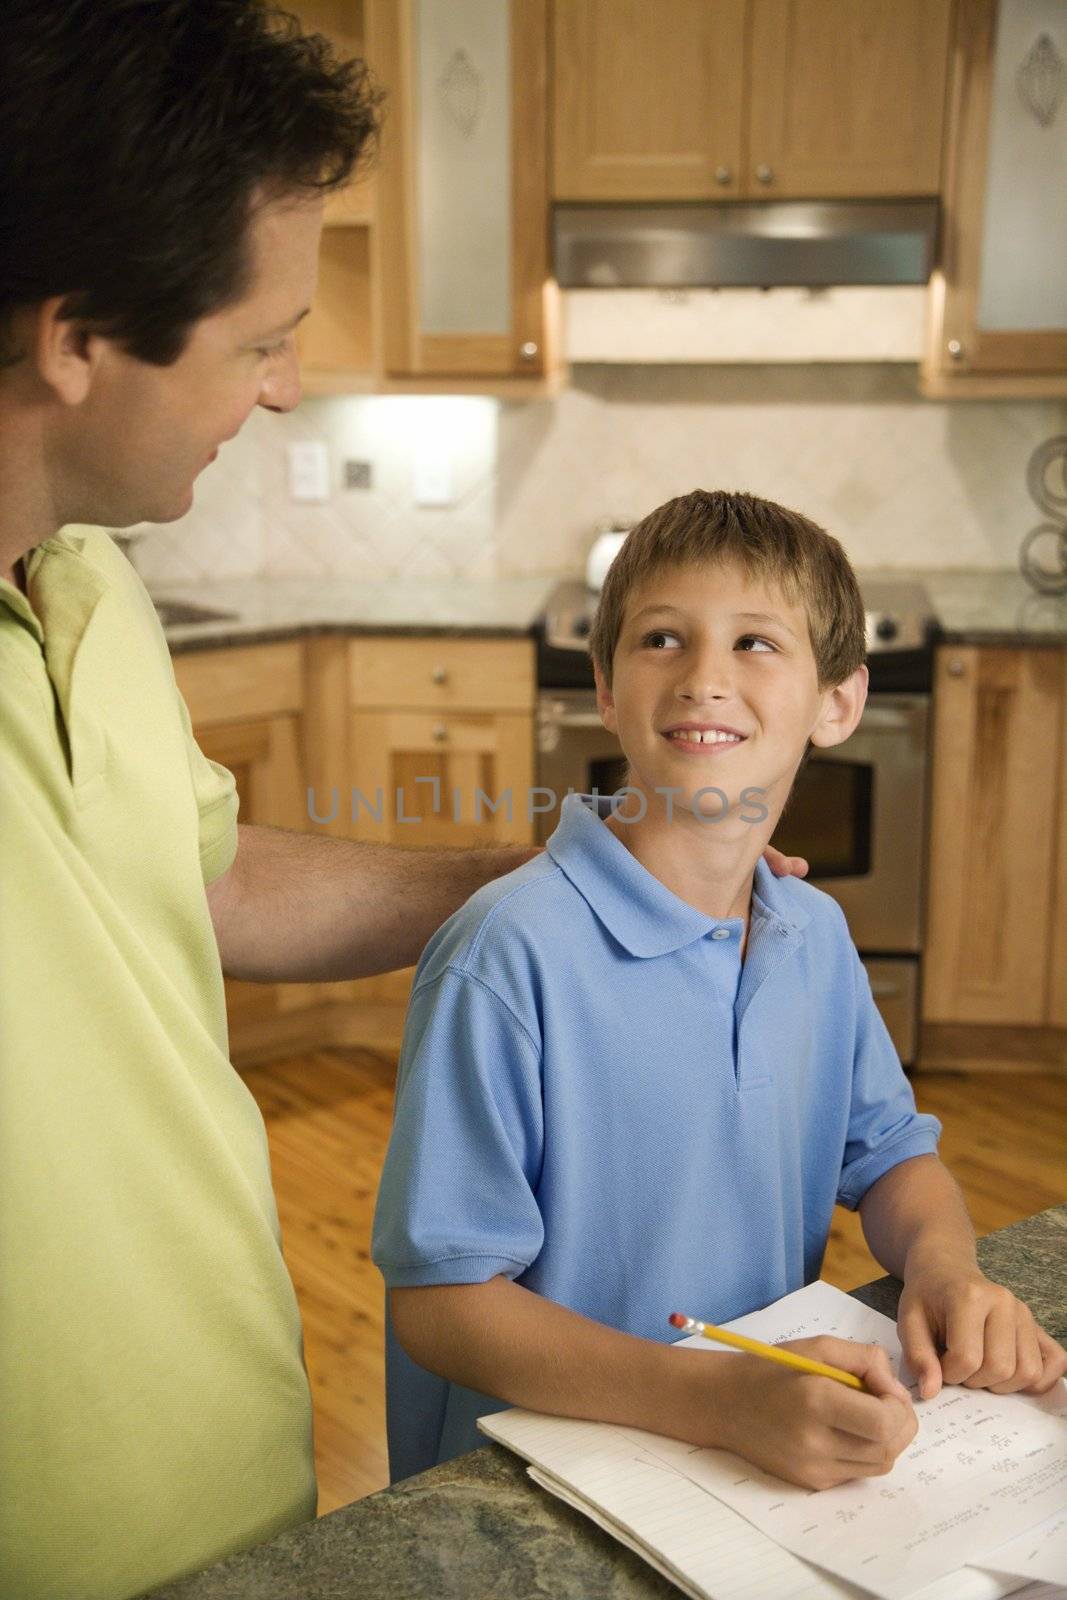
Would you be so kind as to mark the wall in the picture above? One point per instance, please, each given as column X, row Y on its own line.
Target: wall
column 901, row 481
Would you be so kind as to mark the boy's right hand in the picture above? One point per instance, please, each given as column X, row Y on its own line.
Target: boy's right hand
column 807, row 1429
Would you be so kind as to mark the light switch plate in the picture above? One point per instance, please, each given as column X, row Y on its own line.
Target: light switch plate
column 309, row 472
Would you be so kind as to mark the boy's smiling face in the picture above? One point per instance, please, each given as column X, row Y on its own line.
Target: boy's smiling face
column 702, row 648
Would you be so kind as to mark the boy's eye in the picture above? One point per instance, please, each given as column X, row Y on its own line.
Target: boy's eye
column 755, row 639
column 656, row 640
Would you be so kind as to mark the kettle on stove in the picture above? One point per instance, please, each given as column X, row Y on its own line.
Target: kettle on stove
column 605, row 547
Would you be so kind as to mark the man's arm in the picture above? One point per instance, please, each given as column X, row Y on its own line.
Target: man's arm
column 306, row 908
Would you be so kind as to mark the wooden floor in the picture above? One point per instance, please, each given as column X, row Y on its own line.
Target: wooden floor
column 328, row 1118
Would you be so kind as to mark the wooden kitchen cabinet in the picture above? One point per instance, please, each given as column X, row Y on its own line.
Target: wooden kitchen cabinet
column 246, row 707
column 997, row 310
column 433, row 723
column 846, row 98
column 995, row 950
column 767, row 99
column 303, row 724
column 633, row 118
column 462, row 237
column 441, row 740
column 337, row 341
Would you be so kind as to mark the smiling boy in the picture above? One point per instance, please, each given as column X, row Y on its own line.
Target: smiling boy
column 639, row 1072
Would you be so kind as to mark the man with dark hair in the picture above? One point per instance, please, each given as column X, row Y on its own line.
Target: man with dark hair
column 162, row 167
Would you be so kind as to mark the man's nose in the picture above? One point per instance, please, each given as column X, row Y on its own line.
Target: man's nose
column 281, row 385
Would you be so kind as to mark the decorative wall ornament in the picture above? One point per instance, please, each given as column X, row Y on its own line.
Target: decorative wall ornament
column 1041, row 80
column 462, row 89
column 1043, row 553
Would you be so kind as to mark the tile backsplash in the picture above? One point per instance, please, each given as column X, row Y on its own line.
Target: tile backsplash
column 901, row 481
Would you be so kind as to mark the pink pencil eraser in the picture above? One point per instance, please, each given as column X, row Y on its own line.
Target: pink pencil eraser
column 676, row 1319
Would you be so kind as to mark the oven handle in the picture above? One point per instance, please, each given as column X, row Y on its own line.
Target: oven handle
column 885, row 719
column 570, row 719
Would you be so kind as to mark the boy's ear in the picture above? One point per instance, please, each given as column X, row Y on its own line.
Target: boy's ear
column 605, row 701
column 66, row 353
column 842, row 710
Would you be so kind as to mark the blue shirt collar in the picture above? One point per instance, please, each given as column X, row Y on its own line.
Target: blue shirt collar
column 641, row 913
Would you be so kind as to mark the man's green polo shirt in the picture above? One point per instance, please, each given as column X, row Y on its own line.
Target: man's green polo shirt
column 154, row 1406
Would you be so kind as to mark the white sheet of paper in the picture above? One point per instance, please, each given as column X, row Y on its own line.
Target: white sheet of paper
column 708, row 1550
column 980, row 1466
column 1041, row 1552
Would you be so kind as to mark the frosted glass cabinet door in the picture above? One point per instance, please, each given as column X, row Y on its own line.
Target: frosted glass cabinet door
column 463, row 136
column 1000, row 300
column 463, row 184
column 1023, row 277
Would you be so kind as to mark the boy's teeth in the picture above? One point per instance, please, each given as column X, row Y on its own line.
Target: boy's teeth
column 694, row 736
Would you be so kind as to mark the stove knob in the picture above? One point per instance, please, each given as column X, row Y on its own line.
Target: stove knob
column 886, row 628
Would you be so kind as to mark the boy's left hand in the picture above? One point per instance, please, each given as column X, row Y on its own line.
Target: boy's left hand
column 988, row 1338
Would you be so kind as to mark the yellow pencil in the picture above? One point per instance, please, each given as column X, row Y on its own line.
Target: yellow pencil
column 770, row 1352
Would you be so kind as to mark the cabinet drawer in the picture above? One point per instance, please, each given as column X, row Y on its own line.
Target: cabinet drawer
column 446, row 674
column 228, row 685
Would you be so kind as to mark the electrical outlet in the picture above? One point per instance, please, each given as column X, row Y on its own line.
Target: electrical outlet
column 357, row 475
column 309, row 472
column 432, row 476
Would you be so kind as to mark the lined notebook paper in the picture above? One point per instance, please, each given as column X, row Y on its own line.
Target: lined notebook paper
column 640, row 1488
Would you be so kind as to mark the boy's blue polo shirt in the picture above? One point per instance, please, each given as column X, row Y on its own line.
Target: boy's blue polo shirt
column 598, row 1099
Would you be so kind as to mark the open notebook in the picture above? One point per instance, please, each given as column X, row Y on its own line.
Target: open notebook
column 946, row 1503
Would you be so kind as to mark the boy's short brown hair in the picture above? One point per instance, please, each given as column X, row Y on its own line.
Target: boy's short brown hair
column 772, row 545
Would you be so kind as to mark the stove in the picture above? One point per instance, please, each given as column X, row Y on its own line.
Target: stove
column 901, row 626
column 857, row 812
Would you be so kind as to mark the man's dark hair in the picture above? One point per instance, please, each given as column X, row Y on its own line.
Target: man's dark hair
column 136, row 137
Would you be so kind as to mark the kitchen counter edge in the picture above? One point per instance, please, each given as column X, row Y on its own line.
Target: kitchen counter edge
column 477, row 1526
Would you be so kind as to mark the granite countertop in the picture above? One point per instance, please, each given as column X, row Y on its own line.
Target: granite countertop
column 983, row 607
column 285, row 608
column 972, row 607
column 477, row 1528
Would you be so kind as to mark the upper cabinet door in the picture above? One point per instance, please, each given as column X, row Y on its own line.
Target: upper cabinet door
column 847, row 97
column 462, row 185
column 648, row 99
column 998, row 306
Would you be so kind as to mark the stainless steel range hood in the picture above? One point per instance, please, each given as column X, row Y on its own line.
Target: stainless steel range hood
column 793, row 242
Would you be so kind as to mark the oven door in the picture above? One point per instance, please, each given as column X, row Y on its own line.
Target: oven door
column 857, row 813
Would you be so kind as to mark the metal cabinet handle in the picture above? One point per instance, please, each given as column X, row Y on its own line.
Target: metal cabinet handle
column 723, row 175
column 955, row 349
column 529, row 350
column 440, row 733
column 764, row 174
column 439, row 675
column 956, row 668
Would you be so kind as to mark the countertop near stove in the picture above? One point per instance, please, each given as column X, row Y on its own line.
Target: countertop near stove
column 972, row 607
column 478, row 1525
column 285, row 608
column 983, row 607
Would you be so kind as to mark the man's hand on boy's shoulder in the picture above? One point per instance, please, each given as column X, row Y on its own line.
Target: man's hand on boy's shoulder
column 785, row 866
column 987, row 1339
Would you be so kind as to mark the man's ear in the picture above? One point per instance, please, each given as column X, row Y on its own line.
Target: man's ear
column 842, row 710
column 65, row 351
column 605, row 701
